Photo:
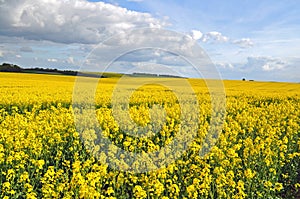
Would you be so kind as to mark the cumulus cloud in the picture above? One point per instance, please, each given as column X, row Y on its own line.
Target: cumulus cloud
column 270, row 66
column 217, row 37
column 64, row 21
column 214, row 37
column 209, row 37
column 262, row 68
column 266, row 64
column 196, row 34
column 244, row 43
column 155, row 46
column 224, row 65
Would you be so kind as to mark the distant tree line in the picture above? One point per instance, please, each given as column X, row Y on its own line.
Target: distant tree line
column 6, row 67
column 50, row 70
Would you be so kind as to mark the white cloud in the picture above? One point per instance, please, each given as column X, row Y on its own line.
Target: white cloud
column 217, row 37
column 263, row 68
column 209, row 37
column 52, row 60
column 267, row 67
column 265, row 64
column 214, row 37
column 224, row 65
column 18, row 56
column 196, row 34
column 244, row 43
column 76, row 21
column 143, row 46
column 270, row 66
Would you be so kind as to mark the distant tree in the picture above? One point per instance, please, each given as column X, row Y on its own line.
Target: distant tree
column 5, row 67
column 244, row 79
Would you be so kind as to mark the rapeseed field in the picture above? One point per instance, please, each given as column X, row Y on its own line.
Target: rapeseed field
column 44, row 155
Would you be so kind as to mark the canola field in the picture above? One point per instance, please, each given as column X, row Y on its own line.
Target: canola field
column 44, row 155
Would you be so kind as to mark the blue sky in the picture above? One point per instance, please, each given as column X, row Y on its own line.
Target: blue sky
column 253, row 39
